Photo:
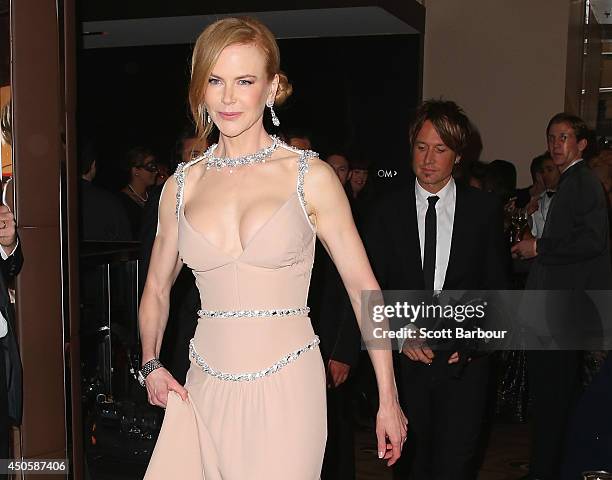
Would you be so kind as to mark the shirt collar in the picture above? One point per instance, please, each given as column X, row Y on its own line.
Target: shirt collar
column 572, row 164
column 443, row 194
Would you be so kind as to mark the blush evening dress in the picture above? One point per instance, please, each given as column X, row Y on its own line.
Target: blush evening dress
column 256, row 384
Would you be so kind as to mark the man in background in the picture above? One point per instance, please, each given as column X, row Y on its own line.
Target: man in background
column 103, row 217
column 546, row 174
column 435, row 234
column 573, row 254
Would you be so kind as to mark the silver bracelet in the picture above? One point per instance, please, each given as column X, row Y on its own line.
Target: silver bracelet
column 147, row 368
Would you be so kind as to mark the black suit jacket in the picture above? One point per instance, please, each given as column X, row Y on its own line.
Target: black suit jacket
column 574, row 251
column 10, row 268
column 331, row 312
column 479, row 257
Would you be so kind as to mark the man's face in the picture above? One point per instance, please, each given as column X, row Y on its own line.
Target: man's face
column 302, row 143
column 340, row 165
column 563, row 145
column 550, row 175
column 432, row 159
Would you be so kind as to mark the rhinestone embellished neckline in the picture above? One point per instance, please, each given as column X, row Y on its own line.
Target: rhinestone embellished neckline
column 223, row 162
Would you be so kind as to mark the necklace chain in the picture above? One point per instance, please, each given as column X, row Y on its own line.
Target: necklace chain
column 142, row 199
column 259, row 156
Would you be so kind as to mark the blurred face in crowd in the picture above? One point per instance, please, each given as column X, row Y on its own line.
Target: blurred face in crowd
column 432, row 160
column 238, row 88
column 358, row 178
column 162, row 174
column 147, row 171
column 340, row 165
column 549, row 175
column 563, row 145
column 188, row 145
column 302, row 143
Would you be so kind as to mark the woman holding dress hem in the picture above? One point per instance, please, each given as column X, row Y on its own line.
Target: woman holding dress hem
column 247, row 232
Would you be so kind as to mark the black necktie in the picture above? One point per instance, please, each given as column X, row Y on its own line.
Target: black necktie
column 431, row 231
column 550, row 193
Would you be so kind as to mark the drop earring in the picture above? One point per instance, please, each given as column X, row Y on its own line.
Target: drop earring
column 275, row 120
column 204, row 114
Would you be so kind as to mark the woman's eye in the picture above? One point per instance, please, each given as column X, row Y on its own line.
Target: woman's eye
column 245, row 82
column 214, row 81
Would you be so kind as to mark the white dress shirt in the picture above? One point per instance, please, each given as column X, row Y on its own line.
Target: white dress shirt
column 445, row 215
column 538, row 217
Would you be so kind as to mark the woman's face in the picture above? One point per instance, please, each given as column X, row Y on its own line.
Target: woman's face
column 358, row 178
column 238, row 88
column 147, row 171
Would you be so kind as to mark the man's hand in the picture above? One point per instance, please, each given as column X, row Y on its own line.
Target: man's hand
column 8, row 234
column 418, row 353
column 533, row 205
column 524, row 249
column 337, row 373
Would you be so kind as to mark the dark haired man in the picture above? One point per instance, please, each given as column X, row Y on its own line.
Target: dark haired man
column 546, row 175
column 103, row 217
column 298, row 138
column 435, row 234
column 572, row 254
column 339, row 162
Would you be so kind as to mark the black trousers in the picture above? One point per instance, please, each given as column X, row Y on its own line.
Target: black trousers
column 339, row 459
column 554, row 387
column 445, row 418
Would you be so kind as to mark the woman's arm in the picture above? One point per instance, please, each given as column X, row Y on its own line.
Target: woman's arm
column 164, row 267
column 327, row 201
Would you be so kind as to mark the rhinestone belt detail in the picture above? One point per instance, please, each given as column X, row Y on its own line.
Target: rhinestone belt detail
column 248, row 377
column 275, row 312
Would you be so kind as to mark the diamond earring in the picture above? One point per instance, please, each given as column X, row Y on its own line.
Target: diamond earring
column 204, row 114
column 275, row 120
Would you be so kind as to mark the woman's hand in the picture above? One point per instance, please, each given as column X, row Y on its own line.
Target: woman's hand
column 391, row 431
column 159, row 382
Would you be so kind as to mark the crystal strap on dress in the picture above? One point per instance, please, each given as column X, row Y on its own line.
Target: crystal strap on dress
column 304, row 155
column 274, row 312
column 249, row 377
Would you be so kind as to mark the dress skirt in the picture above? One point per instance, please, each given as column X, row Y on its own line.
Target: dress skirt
column 272, row 428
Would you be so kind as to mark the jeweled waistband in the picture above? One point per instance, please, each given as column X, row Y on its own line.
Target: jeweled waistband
column 248, row 377
column 274, row 312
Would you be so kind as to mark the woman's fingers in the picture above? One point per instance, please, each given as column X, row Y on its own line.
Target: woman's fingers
column 178, row 388
column 159, row 383
column 161, row 397
column 382, row 443
column 394, row 450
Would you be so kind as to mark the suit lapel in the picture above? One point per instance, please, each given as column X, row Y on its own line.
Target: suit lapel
column 409, row 246
column 460, row 231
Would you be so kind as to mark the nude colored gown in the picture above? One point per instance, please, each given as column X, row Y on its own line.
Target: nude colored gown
column 271, row 427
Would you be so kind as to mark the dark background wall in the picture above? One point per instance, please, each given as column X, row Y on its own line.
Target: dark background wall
column 356, row 94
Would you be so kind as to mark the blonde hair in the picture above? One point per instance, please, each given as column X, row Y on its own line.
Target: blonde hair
column 208, row 47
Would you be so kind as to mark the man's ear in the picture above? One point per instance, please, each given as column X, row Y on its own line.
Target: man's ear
column 457, row 159
column 582, row 144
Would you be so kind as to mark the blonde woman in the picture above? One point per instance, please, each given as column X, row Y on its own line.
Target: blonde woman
column 244, row 216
